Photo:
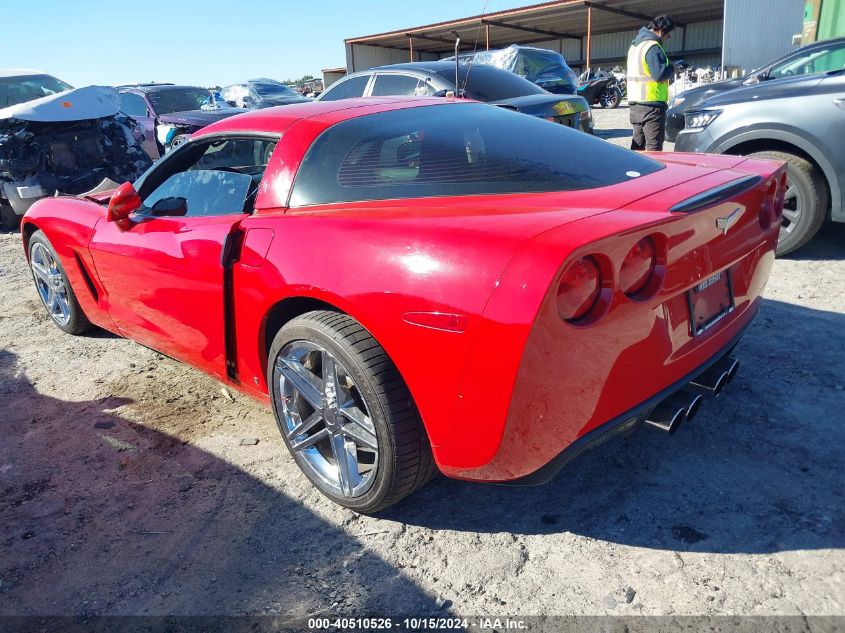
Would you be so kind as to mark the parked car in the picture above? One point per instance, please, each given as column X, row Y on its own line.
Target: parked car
column 167, row 114
column 425, row 284
column 260, row 93
column 57, row 139
column 546, row 68
column 477, row 81
column 813, row 58
column 799, row 120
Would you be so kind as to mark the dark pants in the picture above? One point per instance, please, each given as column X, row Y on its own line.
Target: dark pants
column 649, row 123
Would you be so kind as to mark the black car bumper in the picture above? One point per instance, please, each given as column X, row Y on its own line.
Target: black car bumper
column 700, row 141
column 674, row 123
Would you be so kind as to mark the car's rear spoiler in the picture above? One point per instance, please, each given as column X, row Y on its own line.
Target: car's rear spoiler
column 711, row 196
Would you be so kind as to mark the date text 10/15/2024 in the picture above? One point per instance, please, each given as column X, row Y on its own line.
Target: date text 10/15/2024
column 421, row 624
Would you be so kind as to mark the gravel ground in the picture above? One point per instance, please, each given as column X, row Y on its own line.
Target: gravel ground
column 614, row 126
column 132, row 484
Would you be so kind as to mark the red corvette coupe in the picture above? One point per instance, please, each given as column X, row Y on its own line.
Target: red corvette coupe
column 423, row 284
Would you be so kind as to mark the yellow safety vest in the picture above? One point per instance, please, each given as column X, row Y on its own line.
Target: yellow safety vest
column 642, row 87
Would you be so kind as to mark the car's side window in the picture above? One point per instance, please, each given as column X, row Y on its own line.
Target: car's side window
column 831, row 59
column 386, row 85
column 215, row 177
column 132, row 104
column 346, row 89
column 819, row 60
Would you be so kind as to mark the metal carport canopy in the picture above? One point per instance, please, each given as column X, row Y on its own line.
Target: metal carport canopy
column 541, row 22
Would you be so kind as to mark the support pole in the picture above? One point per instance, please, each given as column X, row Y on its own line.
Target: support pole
column 589, row 36
column 411, row 46
column 487, row 35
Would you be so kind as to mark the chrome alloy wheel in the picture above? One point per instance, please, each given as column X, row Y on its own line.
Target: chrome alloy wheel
column 326, row 421
column 50, row 283
column 792, row 207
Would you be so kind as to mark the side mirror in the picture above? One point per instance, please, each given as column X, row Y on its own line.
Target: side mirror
column 172, row 206
column 124, row 201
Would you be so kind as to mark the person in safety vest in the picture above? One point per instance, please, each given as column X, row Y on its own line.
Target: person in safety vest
column 649, row 72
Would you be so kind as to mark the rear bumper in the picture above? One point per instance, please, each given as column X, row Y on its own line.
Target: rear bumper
column 623, row 422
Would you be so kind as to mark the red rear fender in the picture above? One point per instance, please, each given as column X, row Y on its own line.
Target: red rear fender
column 396, row 281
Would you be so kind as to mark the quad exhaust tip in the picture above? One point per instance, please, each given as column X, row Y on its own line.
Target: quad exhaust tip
column 713, row 381
column 671, row 412
column 685, row 404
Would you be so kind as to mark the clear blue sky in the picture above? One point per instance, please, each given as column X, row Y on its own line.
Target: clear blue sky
column 209, row 42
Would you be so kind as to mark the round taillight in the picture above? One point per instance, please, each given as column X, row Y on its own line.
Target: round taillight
column 579, row 288
column 638, row 266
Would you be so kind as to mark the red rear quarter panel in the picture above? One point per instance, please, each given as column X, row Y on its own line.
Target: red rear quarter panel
column 378, row 266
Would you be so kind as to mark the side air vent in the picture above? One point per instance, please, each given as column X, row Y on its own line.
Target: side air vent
column 719, row 194
column 88, row 281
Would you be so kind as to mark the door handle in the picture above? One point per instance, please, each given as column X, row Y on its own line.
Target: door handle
column 840, row 103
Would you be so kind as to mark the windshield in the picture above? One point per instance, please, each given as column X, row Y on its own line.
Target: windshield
column 170, row 100
column 15, row 90
column 487, row 83
column 274, row 90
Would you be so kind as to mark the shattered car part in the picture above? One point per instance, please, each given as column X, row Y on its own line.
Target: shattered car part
column 66, row 142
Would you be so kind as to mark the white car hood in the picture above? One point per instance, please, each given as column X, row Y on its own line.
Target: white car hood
column 91, row 102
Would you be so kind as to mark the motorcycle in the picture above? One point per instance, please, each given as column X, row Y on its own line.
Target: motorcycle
column 621, row 80
column 602, row 91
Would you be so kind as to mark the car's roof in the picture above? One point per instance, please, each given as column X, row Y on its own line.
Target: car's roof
column 820, row 44
column 19, row 72
column 796, row 87
column 419, row 66
column 160, row 87
column 277, row 120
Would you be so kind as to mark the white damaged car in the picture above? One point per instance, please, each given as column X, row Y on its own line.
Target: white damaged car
column 57, row 139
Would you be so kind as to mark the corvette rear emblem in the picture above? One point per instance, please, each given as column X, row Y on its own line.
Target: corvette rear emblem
column 728, row 221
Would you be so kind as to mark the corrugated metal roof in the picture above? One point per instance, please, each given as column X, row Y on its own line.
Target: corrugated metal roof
column 561, row 19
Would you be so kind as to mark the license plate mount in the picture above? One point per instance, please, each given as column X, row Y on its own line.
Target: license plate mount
column 710, row 301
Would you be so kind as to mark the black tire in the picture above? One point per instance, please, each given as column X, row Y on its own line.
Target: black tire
column 812, row 195
column 405, row 462
column 610, row 98
column 77, row 322
column 9, row 220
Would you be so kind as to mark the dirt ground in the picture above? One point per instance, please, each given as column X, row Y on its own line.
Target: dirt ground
column 131, row 484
